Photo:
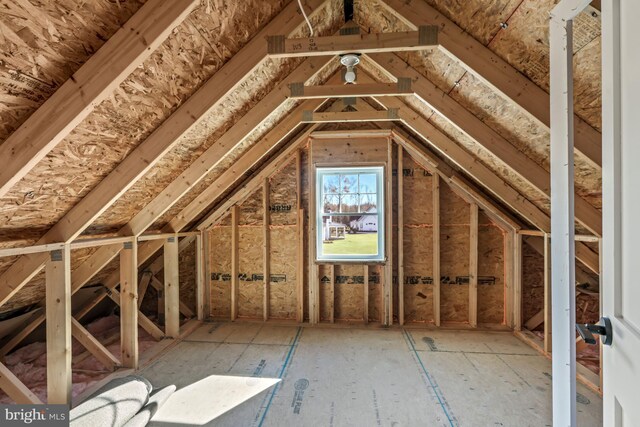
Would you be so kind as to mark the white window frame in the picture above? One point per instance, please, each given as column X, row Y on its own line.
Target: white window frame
column 380, row 200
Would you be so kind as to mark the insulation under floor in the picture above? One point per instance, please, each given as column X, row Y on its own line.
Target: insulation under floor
column 227, row 374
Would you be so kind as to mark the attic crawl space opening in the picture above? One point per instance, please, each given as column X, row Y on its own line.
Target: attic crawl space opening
column 201, row 192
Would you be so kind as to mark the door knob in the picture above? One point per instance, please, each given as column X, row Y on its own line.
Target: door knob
column 603, row 328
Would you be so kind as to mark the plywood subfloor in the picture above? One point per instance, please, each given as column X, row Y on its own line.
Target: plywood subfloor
column 227, row 375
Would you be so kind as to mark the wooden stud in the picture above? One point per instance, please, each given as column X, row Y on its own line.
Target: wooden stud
column 388, row 227
column 400, row 178
column 266, row 249
column 171, row 288
column 201, row 282
column 235, row 259
column 15, row 389
column 95, row 347
column 332, row 293
column 508, row 278
column 435, row 189
column 58, row 311
column 365, row 295
column 314, row 271
column 517, row 281
column 129, row 305
column 207, row 274
column 547, row 294
column 102, row 73
column 281, row 47
column 300, row 270
column 300, row 253
column 473, row 266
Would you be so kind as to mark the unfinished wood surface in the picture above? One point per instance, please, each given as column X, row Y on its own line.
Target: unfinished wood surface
column 436, row 249
column 15, row 389
column 400, row 234
column 234, row 262
column 266, row 254
column 58, row 310
column 473, row 265
column 92, row 83
column 349, row 116
column 365, row 295
column 280, row 47
column 285, row 281
column 95, row 347
column 493, row 70
column 517, row 281
column 387, row 288
column 220, row 278
column 457, row 115
column 129, row 305
column 201, row 277
column 401, row 88
column 171, row 288
column 492, row 289
column 313, row 269
column 343, row 151
column 533, row 274
column 331, row 271
column 145, row 280
column 170, row 195
column 300, row 241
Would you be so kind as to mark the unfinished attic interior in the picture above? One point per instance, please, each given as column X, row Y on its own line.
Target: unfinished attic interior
column 326, row 212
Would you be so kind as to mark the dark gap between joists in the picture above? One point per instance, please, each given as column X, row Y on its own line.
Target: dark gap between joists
column 348, row 10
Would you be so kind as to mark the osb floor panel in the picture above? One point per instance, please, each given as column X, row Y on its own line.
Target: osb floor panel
column 226, row 376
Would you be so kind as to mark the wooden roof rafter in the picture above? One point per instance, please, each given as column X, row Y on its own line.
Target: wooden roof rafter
column 188, row 179
column 150, row 151
column 90, row 85
column 494, row 71
column 467, row 122
column 221, row 184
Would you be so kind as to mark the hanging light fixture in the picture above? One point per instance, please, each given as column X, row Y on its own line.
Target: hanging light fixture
column 350, row 60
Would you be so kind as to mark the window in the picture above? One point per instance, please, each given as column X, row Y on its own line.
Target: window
column 350, row 214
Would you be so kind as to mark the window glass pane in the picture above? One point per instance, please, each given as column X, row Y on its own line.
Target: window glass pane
column 349, row 203
column 330, row 183
column 350, row 235
column 368, row 183
column 331, row 203
column 348, row 183
column 368, row 203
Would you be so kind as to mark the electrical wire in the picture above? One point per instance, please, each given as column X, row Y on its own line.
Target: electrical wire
column 306, row 18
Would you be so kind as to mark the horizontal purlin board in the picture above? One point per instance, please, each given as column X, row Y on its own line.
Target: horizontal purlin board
column 90, row 85
column 300, row 91
column 280, row 47
column 349, row 116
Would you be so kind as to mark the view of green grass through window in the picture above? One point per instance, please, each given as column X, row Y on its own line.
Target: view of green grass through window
column 349, row 213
